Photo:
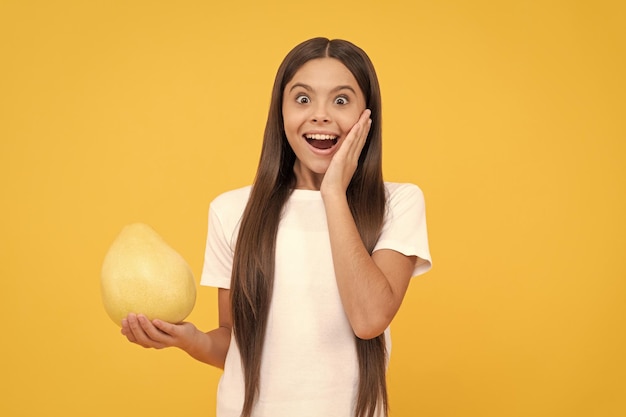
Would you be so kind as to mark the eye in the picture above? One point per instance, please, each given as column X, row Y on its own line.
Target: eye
column 302, row 99
column 341, row 100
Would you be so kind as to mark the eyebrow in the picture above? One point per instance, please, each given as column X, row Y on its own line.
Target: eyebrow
column 334, row 90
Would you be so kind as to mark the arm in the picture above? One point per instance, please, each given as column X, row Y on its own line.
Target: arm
column 371, row 287
column 210, row 347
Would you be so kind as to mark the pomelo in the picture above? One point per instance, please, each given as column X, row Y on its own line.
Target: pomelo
column 142, row 274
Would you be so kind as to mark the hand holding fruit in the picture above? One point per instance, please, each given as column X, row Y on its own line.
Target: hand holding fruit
column 158, row 334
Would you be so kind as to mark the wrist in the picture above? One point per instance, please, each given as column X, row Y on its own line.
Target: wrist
column 190, row 343
column 333, row 194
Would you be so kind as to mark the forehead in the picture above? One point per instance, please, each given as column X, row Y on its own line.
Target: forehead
column 324, row 73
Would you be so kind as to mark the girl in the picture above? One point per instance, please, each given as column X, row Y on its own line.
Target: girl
column 313, row 260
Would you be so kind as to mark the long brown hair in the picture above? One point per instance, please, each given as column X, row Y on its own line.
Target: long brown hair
column 253, row 265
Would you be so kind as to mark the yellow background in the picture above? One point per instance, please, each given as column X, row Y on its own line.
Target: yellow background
column 510, row 116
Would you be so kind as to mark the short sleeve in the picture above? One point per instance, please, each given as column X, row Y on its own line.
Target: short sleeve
column 404, row 228
column 218, row 257
column 225, row 213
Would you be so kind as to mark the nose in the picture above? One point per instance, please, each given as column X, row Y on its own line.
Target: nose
column 320, row 114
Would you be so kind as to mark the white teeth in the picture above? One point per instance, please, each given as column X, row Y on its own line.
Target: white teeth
column 320, row 137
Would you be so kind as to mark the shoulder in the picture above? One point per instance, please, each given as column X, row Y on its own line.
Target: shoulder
column 403, row 192
column 228, row 207
column 232, row 200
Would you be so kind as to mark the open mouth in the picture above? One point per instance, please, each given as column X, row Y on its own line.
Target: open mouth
column 320, row 141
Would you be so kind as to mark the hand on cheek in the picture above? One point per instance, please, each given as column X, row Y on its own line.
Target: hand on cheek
column 346, row 160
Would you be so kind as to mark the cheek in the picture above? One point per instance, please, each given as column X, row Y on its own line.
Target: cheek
column 286, row 123
column 293, row 121
column 289, row 119
column 290, row 127
column 349, row 121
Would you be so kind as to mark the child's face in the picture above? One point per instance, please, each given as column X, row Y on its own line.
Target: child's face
column 321, row 104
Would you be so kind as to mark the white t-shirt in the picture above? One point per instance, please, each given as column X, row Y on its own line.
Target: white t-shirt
column 309, row 365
